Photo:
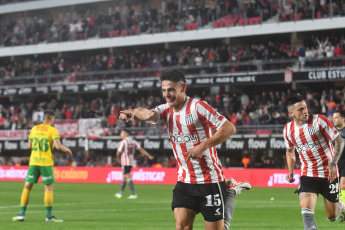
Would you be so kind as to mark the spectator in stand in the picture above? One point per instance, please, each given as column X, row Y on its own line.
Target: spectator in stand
column 227, row 163
column 245, row 160
column 301, row 56
column 112, row 119
column 338, row 51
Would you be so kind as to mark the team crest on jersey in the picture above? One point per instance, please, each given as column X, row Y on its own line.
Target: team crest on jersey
column 189, row 119
column 311, row 130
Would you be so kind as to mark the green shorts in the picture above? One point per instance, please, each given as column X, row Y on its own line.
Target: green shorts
column 35, row 172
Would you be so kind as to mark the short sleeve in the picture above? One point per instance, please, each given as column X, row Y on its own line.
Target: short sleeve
column 327, row 127
column 55, row 134
column 31, row 136
column 137, row 144
column 208, row 115
column 121, row 145
column 288, row 143
column 162, row 112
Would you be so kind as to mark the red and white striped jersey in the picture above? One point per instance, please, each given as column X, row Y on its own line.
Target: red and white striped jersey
column 127, row 148
column 188, row 128
column 313, row 142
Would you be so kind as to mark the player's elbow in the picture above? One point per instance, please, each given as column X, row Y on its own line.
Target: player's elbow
column 58, row 147
column 231, row 129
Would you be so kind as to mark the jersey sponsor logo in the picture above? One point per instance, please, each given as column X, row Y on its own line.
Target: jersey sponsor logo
column 306, row 147
column 215, row 118
column 184, row 138
column 189, row 119
column 311, row 130
column 42, row 128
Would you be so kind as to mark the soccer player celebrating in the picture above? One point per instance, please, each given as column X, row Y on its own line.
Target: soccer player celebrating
column 125, row 155
column 42, row 139
column 338, row 120
column 312, row 135
column 201, row 185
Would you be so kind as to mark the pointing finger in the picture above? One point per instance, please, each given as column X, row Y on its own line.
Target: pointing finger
column 188, row 158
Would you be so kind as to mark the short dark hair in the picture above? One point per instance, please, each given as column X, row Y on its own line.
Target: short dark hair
column 125, row 130
column 341, row 112
column 173, row 75
column 293, row 100
column 48, row 114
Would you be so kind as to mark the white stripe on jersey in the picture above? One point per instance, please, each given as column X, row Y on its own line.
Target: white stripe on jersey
column 187, row 128
column 313, row 141
column 127, row 148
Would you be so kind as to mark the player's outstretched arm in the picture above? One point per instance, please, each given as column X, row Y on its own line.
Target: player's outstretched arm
column 144, row 152
column 222, row 134
column 291, row 161
column 140, row 114
column 338, row 150
column 59, row 146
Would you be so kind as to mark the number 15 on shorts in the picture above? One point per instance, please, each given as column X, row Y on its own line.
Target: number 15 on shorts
column 213, row 200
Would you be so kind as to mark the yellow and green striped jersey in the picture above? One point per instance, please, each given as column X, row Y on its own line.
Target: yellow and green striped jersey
column 42, row 137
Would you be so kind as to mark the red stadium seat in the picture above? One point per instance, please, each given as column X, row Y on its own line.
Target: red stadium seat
column 299, row 16
column 240, row 22
column 115, row 33
column 233, row 17
column 318, row 14
column 256, row 20
column 188, row 26
column 136, row 29
column 172, row 28
column 292, row 17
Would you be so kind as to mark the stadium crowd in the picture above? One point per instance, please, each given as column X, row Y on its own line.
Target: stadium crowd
column 314, row 51
column 3, row 2
column 301, row 9
column 110, row 19
column 73, row 23
column 242, row 109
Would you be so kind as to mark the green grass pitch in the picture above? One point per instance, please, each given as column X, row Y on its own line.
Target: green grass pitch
column 93, row 206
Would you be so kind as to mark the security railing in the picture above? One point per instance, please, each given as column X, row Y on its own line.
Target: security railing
column 206, row 70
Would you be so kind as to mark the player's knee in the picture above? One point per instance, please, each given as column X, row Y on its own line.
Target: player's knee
column 28, row 185
column 183, row 226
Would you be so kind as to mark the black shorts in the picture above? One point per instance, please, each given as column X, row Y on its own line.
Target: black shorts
column 330, row 191
column 126, row 169
column 209, row 199
column 341, row 167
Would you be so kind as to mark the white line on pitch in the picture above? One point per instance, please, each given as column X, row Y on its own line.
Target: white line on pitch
column 88, row 203
column 101, row 210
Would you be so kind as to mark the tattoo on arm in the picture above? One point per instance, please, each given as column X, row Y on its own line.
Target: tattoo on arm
column 338, row 149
